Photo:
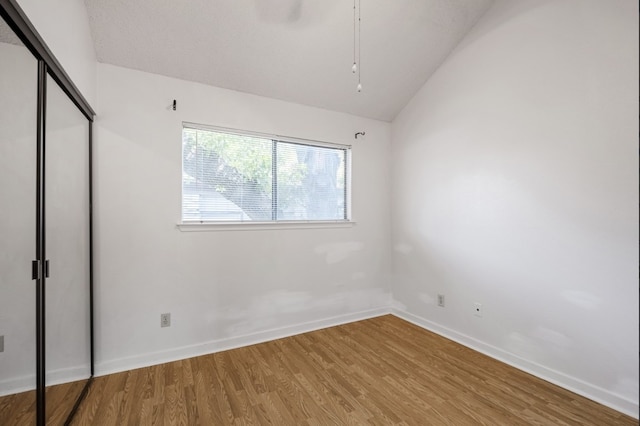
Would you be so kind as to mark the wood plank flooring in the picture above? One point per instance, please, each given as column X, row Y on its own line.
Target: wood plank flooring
column 20, row 409
column 382, row 371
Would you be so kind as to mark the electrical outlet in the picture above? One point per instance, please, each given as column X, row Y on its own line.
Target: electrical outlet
column 1, row 343
column 477, row 309
column 441, row 300
column 165, row 320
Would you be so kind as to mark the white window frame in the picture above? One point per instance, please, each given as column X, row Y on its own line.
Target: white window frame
column 203, row 225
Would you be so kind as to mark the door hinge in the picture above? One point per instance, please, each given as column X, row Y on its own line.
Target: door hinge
column 46, row 268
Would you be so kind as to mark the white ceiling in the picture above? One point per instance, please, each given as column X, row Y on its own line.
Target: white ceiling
column 295, row 50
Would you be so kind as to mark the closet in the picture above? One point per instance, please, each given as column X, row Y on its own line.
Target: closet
column 46, row 326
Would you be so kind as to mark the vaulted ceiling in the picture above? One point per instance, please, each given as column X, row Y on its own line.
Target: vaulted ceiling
column 295, row 50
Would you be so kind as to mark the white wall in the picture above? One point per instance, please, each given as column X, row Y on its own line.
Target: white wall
column 64, row 26
column 515, row 184
column 222, row 288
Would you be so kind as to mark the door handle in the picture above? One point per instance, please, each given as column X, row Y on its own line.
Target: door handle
column 35, row 269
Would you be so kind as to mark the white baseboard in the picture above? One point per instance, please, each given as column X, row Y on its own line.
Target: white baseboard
column 67, row 375
column 17, row 385
column 595, row 393
column 53, row 377
column 184, row 352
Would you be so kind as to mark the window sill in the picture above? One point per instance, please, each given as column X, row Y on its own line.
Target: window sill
column 261, row 226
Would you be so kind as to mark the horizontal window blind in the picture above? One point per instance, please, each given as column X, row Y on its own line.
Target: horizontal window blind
column 234, row 177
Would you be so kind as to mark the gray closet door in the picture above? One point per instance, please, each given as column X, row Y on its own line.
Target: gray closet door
column 18, row 167
column 67, row 345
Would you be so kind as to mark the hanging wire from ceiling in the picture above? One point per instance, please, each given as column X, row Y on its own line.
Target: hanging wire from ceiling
column 354, row 68
column 359, row 87
column 357, row 64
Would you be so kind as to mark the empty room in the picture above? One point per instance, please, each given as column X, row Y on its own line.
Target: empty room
column 319, row 212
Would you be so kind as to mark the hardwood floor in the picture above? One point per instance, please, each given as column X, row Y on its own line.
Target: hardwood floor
column 380, row 371
column 20, row 409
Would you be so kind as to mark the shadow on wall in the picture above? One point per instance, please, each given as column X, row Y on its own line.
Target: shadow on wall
column 285, row 307
column 509, row 12
column 337, row 252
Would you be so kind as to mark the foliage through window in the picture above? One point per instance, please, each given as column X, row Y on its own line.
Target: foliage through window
column 229, row 176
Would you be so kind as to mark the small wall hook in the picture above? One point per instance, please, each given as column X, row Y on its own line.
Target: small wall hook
column 359, row 133
column 174, row 105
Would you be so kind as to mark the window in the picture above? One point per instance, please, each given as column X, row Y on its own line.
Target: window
column 228, row 176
